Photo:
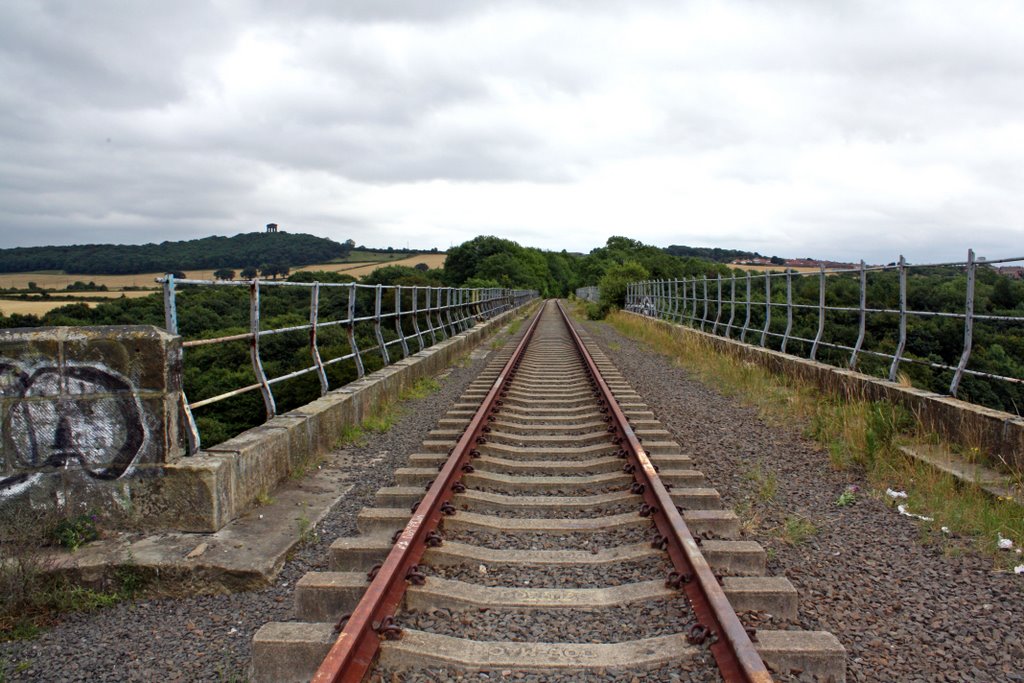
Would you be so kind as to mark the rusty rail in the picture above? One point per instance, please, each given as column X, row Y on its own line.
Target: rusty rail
column 359, row 640
column 733, row 650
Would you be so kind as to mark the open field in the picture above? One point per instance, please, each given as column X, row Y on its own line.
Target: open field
column 358, row 270
column 37, row 307
column 375, row 257
column 778, row 269
column 55, row 280
column 115, row 283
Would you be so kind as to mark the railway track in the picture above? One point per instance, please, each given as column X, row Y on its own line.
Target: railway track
column 550, row 529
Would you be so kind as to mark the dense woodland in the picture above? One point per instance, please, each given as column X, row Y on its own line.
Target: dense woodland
column 245, row 250
column 205, row 312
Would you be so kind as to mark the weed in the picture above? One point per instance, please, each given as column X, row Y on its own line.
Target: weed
column 797, row 529
column 750, row 518
column 514, row 327
column 351, row 435
column 131, row 580
column 307, row 532
column 263, row 498
column 423, row 387
column 767, row 483
column 381, row 422
column 846, row 499
column 306, row 466
column 226, row 675
column 614, row 346
column 74, row 532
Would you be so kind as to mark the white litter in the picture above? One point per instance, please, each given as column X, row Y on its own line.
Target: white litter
column 895, row 494
column 232, row 631
column 1019, row 569
column 945, row 530
column 906, row 513
column 482, row 569
column 1005, row 543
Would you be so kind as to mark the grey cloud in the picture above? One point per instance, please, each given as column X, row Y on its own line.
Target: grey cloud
column 373, row 99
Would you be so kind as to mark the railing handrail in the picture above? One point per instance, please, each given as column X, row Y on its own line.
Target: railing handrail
column 461, row 309
column 687, row 301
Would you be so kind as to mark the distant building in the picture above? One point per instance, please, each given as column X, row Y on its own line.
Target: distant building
column 271, row 227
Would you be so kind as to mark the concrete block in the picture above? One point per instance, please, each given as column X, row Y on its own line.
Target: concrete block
column 196, row 493
column 718, row 523
column 325, row 596
column 772, row 594
column 290, row 652
column 358, row 553
column 740, row 558
column 817, row 653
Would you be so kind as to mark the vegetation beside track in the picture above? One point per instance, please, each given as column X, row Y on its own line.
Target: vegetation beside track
column 859, row 436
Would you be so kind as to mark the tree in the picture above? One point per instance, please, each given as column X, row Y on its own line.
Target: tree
column 421, row 266
column 249, row 272
column 1003, row 294
column 224, row 274
column 613, row 284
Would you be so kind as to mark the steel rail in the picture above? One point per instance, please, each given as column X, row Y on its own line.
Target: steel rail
column 737, row 658
column 358, row 642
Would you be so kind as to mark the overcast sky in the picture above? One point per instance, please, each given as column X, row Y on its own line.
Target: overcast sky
column 806, row 128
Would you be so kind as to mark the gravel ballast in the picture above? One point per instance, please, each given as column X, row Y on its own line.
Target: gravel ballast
column 608, row 625
column 593, row 541
column 542, row 576
column 905, row 610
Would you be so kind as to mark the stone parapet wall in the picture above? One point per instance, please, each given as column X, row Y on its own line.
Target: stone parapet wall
column 999, row 435
column 91, row 422
column 221, row 483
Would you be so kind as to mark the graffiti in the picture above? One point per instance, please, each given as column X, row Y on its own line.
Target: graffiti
column 85, row 418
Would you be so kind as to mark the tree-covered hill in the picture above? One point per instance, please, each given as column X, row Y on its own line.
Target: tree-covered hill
column 247, row 249
column 716, row 254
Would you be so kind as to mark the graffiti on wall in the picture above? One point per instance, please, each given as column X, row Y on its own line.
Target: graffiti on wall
column 75, row 418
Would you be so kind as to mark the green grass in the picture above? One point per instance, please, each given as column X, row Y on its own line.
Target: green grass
column 422, row 388
column 856, row 435
column 384, row 418
column 767, row 483
column 381, row 422
column 796, row 530
column 351, row 435
column 52, row 595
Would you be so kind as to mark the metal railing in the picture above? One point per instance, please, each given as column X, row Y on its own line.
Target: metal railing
column 591, row 293
column 841, row 328
column 398, row 319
